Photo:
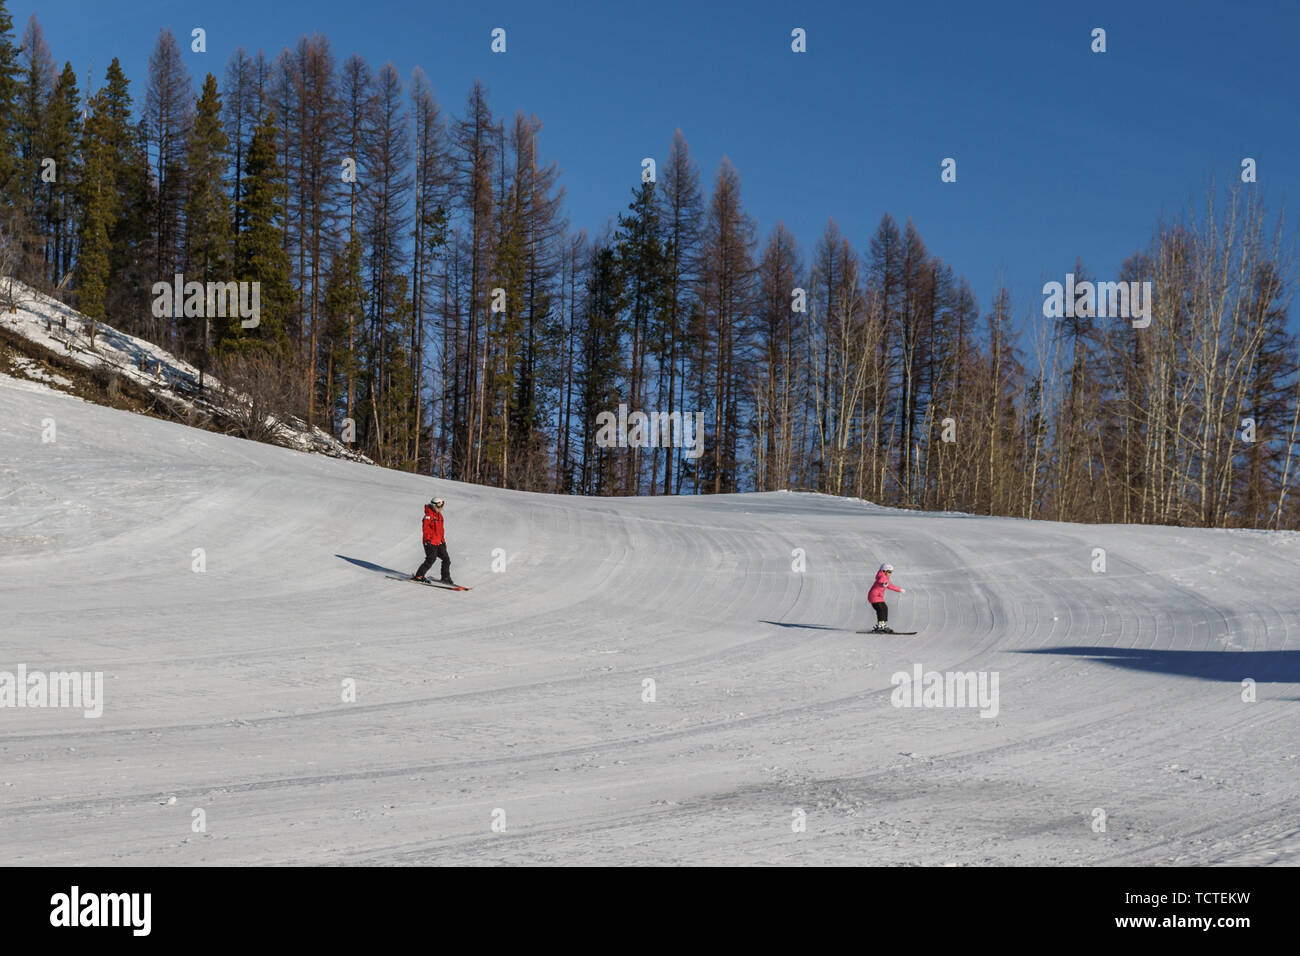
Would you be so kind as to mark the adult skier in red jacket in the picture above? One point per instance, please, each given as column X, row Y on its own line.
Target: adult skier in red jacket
column 435, row 542
column 877, row 598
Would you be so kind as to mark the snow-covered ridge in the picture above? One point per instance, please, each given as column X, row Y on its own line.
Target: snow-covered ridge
column 57, row 328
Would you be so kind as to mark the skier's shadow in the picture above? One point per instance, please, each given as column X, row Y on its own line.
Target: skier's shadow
column 1273, row 667
column 806, row 627
column 370, row 566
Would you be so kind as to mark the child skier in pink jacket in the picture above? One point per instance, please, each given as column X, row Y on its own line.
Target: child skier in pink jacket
column 877, row 598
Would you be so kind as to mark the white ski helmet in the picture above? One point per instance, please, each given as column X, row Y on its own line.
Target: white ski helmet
column 889, row 568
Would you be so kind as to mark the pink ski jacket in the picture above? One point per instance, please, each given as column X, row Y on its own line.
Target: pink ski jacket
column 877, row 592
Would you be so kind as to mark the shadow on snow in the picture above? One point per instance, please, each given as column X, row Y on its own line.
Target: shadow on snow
column 1274, row 667
column 808, row 627
column 372, row 567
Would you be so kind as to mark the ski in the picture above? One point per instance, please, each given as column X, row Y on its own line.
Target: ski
column 431, row 584
column 902, row 633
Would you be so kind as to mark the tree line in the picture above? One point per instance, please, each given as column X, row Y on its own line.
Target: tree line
column 423, row 296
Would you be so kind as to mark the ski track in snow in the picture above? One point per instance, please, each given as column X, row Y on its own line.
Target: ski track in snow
column 1119, row 690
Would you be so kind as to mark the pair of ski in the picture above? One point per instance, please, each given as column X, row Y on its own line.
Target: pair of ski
column 432, row 584
column 874, row 631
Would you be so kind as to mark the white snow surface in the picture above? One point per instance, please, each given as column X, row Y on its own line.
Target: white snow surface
column 523, row 702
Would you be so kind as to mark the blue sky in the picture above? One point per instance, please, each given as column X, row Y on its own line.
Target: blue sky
column 1061, row 153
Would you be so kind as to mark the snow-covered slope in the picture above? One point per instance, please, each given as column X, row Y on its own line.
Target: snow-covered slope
column 526, row 702
column 53, row 328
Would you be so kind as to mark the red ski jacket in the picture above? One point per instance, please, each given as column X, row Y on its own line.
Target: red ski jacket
column 877, row 592
column 433, row 531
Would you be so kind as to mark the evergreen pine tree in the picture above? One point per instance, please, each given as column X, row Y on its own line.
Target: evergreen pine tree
column 10, row 89
column 59, row 135
column 601, row 367
column 646, row 272
column 260, row 255
column 207, row 207
column 97, row 200
column 345, row 304
column 36, row 88
column 207, row 211
column 131, row 263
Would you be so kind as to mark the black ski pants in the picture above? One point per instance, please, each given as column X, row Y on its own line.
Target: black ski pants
column 432, row 552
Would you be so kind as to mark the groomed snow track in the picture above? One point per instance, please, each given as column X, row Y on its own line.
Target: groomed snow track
column 524, row 703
